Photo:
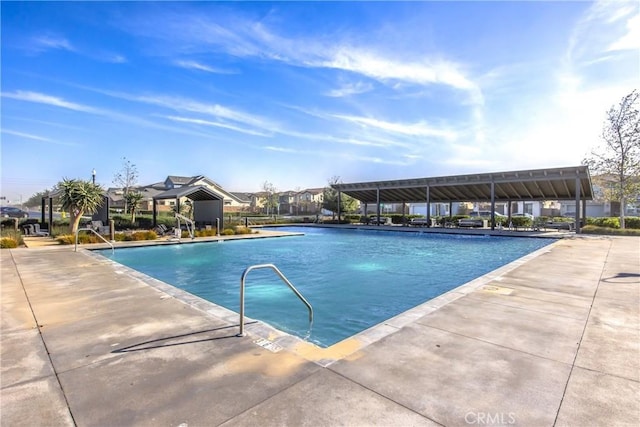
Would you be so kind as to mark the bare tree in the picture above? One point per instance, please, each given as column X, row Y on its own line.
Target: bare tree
column 270, row 197
column 126, row 178
column 618, row 159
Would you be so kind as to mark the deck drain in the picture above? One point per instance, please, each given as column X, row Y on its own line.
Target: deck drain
column 266, row 344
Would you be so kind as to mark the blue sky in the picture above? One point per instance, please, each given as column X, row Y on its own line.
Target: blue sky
column 297, row 92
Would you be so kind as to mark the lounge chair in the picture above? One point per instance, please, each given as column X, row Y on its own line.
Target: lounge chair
column 162, row 229
column 470, row 222
column 420, row 222
column 98, row 227
column 37, row 231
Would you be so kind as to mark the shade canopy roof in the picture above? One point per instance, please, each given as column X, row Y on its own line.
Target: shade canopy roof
column 195, row 193
column 537, row 184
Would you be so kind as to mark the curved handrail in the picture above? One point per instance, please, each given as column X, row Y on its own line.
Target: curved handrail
column 284, row 279
column 75, row 249
column 188, row 222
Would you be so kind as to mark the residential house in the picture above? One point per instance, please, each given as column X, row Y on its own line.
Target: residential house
column 287, row 203
column 233, row 202
column 309, row 201
column 258, row 202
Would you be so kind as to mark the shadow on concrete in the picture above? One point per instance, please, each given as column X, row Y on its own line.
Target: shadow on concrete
column 177, row 340
column 616, row 279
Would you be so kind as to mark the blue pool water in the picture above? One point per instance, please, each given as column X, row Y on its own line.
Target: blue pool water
column 354, row 279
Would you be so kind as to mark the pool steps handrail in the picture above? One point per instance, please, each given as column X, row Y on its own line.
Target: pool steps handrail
column 188, row 222
column 284, row 279
column 75, row 249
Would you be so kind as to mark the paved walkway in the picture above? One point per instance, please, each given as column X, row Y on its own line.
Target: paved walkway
column 553, row 341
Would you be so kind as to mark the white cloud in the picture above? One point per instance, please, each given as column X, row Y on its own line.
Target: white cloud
column 41, row 98
column 241, row 37
column 341, row 155
column 385, row 69
column 194, row 65
column 48, row 41
column 412, row 129
column 280, row 149
column 214, row 110
column 605, row 26
column 36, row 137
column 350, row 89
column 631, row 39
column 25, row 135
column 217, row 124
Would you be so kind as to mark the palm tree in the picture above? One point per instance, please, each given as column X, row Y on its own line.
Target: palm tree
column 79, row 197
column 132, row 202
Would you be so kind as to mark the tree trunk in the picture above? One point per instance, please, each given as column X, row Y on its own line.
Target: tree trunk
column 623, row 202
column 74, row 221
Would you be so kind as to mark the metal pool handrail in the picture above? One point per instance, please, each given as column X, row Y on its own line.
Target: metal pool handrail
column 97, row 234
column 284, row 279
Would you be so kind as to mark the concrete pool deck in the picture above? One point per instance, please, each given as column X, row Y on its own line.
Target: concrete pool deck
column 553, row 341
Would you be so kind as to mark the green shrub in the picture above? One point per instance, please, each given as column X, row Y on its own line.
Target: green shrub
column 143, row 235
column 228, row 232
column 610, row 222
column 83, row 238
column 632, row 222
column 242, row 230
column 8, row 243
column 594, row 229
column 66, row 239
column 206, row 233
column 521, row 221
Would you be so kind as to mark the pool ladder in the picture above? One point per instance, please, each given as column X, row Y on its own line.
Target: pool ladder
column 284, row 279
column 75, row 248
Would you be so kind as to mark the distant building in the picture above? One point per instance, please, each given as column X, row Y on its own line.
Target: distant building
column 233, row 202
column 309, row 201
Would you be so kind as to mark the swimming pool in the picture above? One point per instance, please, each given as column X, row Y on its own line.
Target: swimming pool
column 353, row 278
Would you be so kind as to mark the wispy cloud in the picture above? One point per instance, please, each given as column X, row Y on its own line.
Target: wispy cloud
column 55, row 101
column 412, row 129
column 36, row 137
column 606, row 26
column 342, row 155
column 217, row 124
column 25, row 135
column 350, row 89
column 41, row 98
column 631, row 39
column 194, row 65
column 389, row 70
column 280, row 149
column 184, row 104
column 49, row 42
column 237, row 36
